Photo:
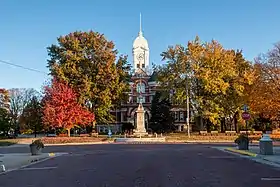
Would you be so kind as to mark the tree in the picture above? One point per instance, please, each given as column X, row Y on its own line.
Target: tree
column 4, row 98
column 235, row 96
column 61, row 108
column 161, row 119
column 19, row 99
column 5, row 124
column 31, row 117
column 124, row 72
column 263, row 95
column 87, row 62
column 215, row 78
column 5, row 119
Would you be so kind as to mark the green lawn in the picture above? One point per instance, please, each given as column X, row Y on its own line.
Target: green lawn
column 8, row 142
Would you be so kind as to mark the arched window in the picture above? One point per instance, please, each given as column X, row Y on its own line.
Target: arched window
column 141, row 87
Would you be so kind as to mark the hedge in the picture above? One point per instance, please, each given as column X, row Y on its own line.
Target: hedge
column 58, row 140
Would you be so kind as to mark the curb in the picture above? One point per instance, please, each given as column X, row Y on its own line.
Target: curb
column 83, row 143
column 204, row 141
column 242, row 152
column 140, row 142
column 274, row 162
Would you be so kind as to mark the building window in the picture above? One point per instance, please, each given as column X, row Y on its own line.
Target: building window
column 141, row 88
column 181, row 116
column 138, row 65
column 151, row 99
column 176, row 117
column 139, row 99
column 143, row 65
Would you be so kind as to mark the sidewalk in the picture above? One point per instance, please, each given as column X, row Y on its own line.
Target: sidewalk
column 254, row 154
column 22, row 143
column 18, row 160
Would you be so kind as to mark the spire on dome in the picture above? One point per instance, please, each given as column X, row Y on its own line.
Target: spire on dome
column 140, row 31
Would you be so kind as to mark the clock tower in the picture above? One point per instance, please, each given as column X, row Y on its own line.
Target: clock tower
column 140, row 51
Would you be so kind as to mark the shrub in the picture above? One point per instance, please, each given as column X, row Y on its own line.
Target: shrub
column 38, row 143
column 241, row 138
column 29, row 131
column 62, row 135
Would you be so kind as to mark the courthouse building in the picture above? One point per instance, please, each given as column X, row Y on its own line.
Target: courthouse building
column 143, row 86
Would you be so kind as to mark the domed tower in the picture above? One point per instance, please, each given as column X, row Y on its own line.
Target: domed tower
column 140, row 51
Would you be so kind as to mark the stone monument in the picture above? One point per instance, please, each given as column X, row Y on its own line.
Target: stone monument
column 140, row 121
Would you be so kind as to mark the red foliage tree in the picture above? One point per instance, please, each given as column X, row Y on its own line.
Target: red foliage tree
column 61, row 107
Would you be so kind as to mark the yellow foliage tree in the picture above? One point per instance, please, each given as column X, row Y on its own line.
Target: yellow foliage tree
column 215, row 76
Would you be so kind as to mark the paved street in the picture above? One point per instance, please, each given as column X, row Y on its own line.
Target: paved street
column 143, row 165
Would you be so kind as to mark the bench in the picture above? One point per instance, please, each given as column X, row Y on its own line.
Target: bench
column 214, row 133
column 257, row 132
column 94, row 134
column 244, row 132
column 84, row 135
column 275, row 132
column 203, row 132
column 231, row 133
column 51, row 135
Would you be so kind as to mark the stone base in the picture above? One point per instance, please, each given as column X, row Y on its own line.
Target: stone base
column 140, row 134
column 127, row 140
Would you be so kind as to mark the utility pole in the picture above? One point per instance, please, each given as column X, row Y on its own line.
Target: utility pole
column 188, row 107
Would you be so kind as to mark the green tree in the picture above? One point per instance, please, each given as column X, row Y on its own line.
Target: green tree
column 124, row 72
column 161, row 119
column 5, row 121
column 87, row 61
column 31, row 117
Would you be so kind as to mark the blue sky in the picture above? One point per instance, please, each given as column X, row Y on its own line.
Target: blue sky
column 28, row 27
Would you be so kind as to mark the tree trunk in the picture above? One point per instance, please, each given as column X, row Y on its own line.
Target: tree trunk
column 235, row 122
column 223, row 124
column 201, row 123
column 35, row 131
column 68, row 131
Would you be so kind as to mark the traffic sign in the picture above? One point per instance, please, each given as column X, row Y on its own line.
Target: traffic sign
column 246, row 115
column 109, row 133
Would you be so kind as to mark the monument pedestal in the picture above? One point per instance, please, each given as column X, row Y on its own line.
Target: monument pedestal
column 140, row 121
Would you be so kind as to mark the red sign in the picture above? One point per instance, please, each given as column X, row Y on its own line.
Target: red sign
column 246, row 116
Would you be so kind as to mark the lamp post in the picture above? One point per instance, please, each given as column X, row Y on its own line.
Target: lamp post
column 89, row 105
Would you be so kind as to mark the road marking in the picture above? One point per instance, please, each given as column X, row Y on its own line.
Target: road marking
column 220, row 157
column 43, row 168
column 270, row 179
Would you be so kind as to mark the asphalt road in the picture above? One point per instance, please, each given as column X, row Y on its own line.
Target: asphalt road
column 143, row 166
column 48, row 149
